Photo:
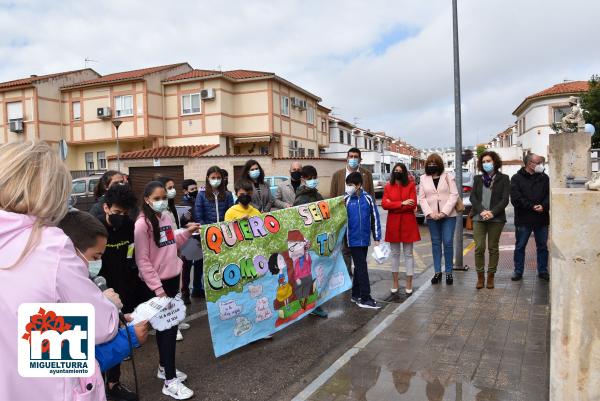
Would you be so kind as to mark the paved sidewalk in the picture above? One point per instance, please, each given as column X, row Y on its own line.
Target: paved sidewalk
column 450, row 343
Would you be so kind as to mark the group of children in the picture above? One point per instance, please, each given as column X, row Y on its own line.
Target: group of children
column 138, row 252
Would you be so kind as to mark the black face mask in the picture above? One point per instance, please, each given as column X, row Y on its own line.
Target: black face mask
column 402, row 177
column 296, row 175
column 193, row 194
column 244, row 199
column 117, row 220
column 430, row 170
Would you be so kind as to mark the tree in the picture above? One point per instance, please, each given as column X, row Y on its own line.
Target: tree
column 590, row 102
column 480, row 150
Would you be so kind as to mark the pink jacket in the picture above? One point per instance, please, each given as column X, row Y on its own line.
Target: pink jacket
column 440, row 200
column 51, row 273
column 157, row 263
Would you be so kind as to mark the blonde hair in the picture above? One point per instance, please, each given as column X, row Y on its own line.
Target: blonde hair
column 35, row 182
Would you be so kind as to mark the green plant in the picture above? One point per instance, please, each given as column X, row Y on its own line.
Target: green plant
column 590, row 102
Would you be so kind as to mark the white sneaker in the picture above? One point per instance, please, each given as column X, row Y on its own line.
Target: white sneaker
column 184, row 326
column 178, row 373
column 177, row 390
column 179, row 336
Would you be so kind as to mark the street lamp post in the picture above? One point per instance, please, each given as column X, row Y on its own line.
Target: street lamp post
column 458, row 254
column 117, row 123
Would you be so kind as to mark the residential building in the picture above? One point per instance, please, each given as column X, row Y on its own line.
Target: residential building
column 511, row 154
column 536, row 114
column 90, row 107
column 342, row 137
column 30, row 108
column 243, row 112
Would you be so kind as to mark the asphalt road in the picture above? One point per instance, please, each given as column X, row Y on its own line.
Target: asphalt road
column 274, row 369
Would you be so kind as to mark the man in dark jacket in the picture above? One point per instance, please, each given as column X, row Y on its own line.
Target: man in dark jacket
column 530, row 195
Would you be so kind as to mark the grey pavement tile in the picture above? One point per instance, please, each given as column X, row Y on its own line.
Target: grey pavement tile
column 483, row 381
column 322, row 395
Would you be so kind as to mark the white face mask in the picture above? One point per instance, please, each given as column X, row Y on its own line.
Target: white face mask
column 159, row 206
column 350, row 189
column 94, row 266
column 539, row 168
column 215, row 182
column 171, row 193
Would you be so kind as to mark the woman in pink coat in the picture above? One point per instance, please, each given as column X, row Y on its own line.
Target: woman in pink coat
column 401, row 229
column 437, row 197
column 38, row 263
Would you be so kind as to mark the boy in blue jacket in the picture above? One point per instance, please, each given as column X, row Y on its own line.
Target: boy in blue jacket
column 363, row 218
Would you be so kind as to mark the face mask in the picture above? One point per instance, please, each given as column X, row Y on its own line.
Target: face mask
column 296, row 175
column 244, row 199
column 430, row 170
column 488, row 167
column 353, row 163
column 312, row 183
column 254, row 174
column 117, row 220
column 193, row 194
column 539, row 168
column 171, row 193
column 350, row 189
column 94, row 266
column 159, row 206
column 215, row 183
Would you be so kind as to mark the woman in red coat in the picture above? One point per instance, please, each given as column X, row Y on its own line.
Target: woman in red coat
column 400, row 200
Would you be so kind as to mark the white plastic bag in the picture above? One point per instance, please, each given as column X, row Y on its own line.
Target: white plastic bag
column 381, row 252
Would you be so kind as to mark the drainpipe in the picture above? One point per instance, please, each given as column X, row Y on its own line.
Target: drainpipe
column 162, row 99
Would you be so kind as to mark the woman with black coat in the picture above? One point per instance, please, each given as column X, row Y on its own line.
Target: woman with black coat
column 489, row 198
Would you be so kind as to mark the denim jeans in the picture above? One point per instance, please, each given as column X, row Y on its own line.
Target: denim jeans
column 522, row 234
column 442, row 231
column 361, row 286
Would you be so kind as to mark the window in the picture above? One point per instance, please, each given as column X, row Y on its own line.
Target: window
column 101, row 160
column 15, row 111
column 349, row 136
column 264, row 150
column 76, row 111
column 376, row 145
column 301, row 152
column 310, row 115
column 356, row 142
column 190, row 104
column 323, row 125
column 311, row 153
column 78, row 187
column 560, row 112
column 124, row 105
column 92, row 184
column 341, row 136
column 89, row 160
column 285, row 106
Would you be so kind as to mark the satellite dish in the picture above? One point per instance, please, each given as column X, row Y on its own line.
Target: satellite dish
column 63, row 149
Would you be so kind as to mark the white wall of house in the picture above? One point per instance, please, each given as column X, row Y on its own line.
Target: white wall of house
column 338, row 149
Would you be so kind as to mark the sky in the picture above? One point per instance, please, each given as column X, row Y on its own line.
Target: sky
column 385, row 64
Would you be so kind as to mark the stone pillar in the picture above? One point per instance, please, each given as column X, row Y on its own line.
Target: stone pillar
column 569, row 154
column 575, row 295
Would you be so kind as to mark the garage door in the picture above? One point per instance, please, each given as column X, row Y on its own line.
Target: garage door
column 140, row 176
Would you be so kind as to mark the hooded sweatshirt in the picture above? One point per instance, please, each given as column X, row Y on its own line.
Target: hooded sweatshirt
column 161, row 262
column 51, row 273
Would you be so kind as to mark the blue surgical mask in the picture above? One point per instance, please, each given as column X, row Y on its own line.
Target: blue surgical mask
column 215, row 183
column 159, row 206
column 353, row 163
column 312, row 183
column 488, row 167
column 254, row 174
column 94, row 266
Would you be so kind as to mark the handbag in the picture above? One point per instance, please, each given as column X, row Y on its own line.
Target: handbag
column 460, row 205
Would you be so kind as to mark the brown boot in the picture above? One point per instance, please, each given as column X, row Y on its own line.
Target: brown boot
column 480, row 280
column 490, row 280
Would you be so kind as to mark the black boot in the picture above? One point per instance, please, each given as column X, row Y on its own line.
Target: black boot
column 437, row 277
column 449, row 279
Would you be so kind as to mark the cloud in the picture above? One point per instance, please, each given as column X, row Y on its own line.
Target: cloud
column 386, row 62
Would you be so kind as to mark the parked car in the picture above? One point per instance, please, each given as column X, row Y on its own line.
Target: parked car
column 468, row 179
column 379, row 181
column 82, row 192
column 273, row 181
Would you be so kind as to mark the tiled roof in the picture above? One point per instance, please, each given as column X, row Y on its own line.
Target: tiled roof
column 167, row 152
column 564, row 88
column 233, row 74
column 35, row 78
column 127, row 75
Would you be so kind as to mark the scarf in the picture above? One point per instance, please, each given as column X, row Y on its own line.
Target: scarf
column 488, row 179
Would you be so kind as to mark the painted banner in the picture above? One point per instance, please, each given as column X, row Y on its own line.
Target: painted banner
column 263, row 273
